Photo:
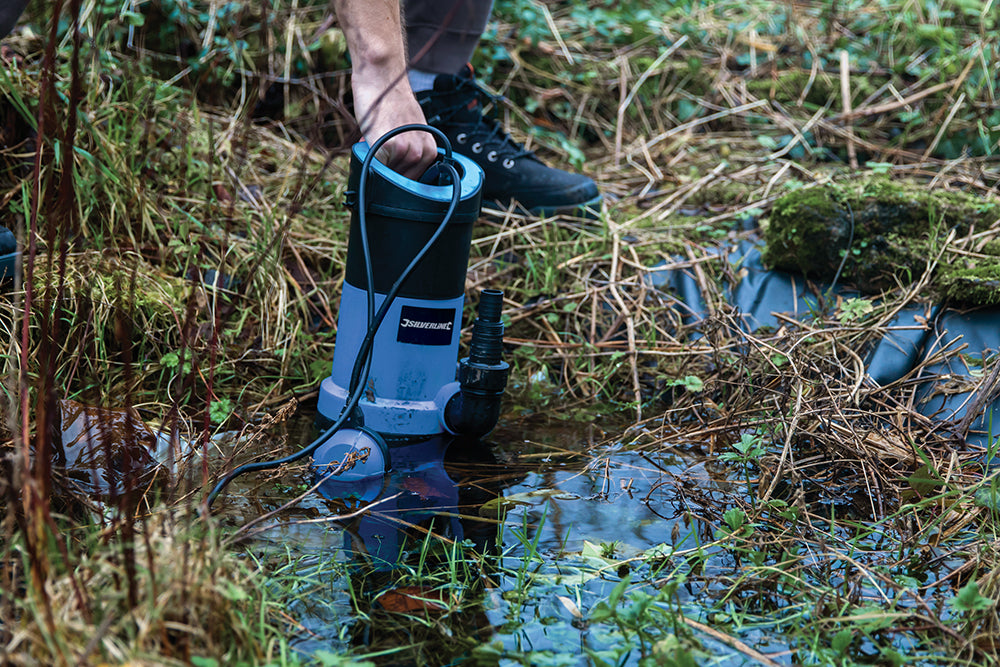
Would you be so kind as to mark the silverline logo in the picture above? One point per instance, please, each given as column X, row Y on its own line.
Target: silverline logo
column 417, row 324
column 426, row 326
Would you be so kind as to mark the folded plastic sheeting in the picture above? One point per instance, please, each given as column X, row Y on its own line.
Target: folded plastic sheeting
column 8, row 253
column 953, row 349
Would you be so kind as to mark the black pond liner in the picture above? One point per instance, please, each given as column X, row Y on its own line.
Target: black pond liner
column 916, row 334
column 8, row 254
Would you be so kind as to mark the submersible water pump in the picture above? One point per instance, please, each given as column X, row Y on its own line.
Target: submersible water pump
column 394, row 366
column 411, row 391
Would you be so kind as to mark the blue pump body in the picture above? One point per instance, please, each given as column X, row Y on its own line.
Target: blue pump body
column 410, row 381
column 414, row 355
column 408, row 252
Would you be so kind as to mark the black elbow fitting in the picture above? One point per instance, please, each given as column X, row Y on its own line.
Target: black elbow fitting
column 482, row 376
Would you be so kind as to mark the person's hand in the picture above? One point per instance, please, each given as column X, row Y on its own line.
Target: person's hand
column 380, row 110
column 383, row 99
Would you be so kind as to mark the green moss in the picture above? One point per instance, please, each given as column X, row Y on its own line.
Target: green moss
column 114, row 283
column 889, row 230
column 973, row 279
column 975, row 282
column 99, row 294
column 798, row 220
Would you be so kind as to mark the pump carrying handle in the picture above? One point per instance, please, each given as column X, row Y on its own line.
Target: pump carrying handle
column 362, row 363
column 442, row 138
column 442, row 142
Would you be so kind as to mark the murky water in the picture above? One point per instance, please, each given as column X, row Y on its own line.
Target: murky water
column 551, row 518
column 498, row 553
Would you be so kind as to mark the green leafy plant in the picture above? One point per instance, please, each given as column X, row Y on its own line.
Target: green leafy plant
column 854, row 309
column 749, row 448
column 220, row 410
column 691, row 383
column 969, row 600
column 649, row 620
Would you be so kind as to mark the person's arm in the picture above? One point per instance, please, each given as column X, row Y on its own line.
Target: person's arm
column 382, row 96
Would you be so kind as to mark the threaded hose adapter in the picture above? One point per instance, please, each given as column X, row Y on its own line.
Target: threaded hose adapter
column 482, row 376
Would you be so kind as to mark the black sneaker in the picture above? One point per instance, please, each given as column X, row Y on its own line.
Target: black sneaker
column 512, row 173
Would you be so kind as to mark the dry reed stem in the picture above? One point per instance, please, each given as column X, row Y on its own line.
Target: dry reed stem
column 944, row 127
column 732, row 642
column 845, row 95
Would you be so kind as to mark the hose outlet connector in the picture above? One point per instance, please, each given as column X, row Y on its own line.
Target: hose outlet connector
column 482, row 376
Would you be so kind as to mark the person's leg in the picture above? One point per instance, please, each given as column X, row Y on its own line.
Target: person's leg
column 512, row 173
column 10, row 11
column 442, row 34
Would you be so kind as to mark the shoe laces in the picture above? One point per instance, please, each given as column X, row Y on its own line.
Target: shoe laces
column 485, row 129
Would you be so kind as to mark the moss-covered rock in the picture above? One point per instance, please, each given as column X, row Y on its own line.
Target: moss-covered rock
column 973, row 280
column 889, row 230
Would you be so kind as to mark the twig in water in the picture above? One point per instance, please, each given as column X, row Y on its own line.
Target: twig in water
column 730, row 641
column 346, row 464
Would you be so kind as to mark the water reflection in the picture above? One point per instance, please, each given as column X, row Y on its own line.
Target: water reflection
column 434, row 491
column 464, row 543
column 499, row 553
column 421, row 549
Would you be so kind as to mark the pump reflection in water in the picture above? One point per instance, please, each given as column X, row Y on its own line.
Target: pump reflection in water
column 419, row 497
column 421, row 547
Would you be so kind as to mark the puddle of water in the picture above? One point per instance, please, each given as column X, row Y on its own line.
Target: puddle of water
column 503, row 552
column 547, row 516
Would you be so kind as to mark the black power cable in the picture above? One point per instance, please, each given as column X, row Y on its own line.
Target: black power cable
column 362, row 363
